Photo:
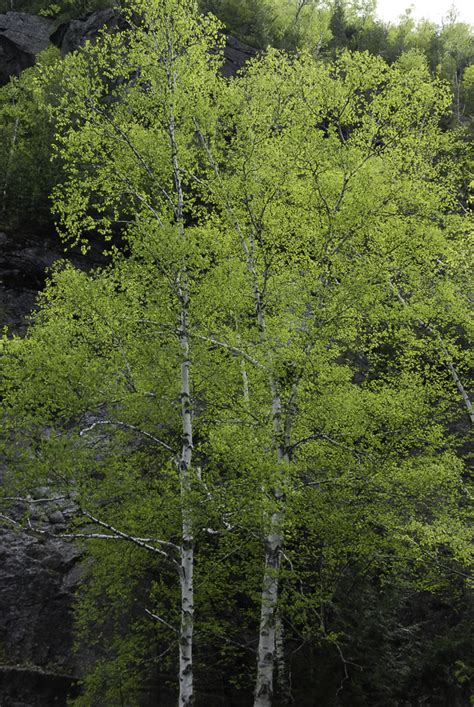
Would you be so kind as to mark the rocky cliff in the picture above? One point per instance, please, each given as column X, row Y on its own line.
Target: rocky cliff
column 38, row 574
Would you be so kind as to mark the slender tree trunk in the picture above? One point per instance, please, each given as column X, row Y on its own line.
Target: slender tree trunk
column 267, row 634
column 245, row 378
column 187, row 541
column 266, row 654
column 267, row 642
column 457, row 97
column 186, row 683
column 186, row 687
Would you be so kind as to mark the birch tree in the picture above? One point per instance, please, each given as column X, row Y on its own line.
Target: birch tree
column 250, row 369
column 331, row 182
column 124, row 134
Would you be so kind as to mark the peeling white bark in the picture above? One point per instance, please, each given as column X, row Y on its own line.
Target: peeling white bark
column 186, row 686
column 267, row 643
column 187, row 540
column 267, row 634
column 266, row 654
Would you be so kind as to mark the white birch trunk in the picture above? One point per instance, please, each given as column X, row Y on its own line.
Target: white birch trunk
column 186, row 683
column 267, row 634
column 266, row 654
column 187, row 540
column 267, row 642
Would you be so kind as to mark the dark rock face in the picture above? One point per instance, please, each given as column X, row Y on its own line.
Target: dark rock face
column 236, row 53
column 22, row 36
column 12, row 60
column 36, row 666
column 33, row 687
column 39, row 574
column 24, row 264
column 73, row 34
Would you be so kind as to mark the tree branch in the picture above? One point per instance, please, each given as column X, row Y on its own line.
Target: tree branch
column 442, row 347
column 229, row 347
column 144, row 543
column 322, row 435
column 162, row 621
column 126, row 139
column 127, row 426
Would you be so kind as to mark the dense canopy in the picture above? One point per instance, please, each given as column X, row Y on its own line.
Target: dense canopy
column 258, row 405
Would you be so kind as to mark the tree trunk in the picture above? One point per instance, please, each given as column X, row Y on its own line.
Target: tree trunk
column 186, row 685
column 187, row 540
column 267, row 642
column 267, row 635
column 271, row 576
column 457, row 98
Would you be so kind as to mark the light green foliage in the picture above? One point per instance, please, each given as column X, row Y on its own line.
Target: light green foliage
column 101, row 137
column 330, row 192
column 332, row 176
column 25, row 143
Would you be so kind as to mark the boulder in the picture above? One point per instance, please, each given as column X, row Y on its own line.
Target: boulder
column 22, row 36
column 30, row 33
column 73, row 34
